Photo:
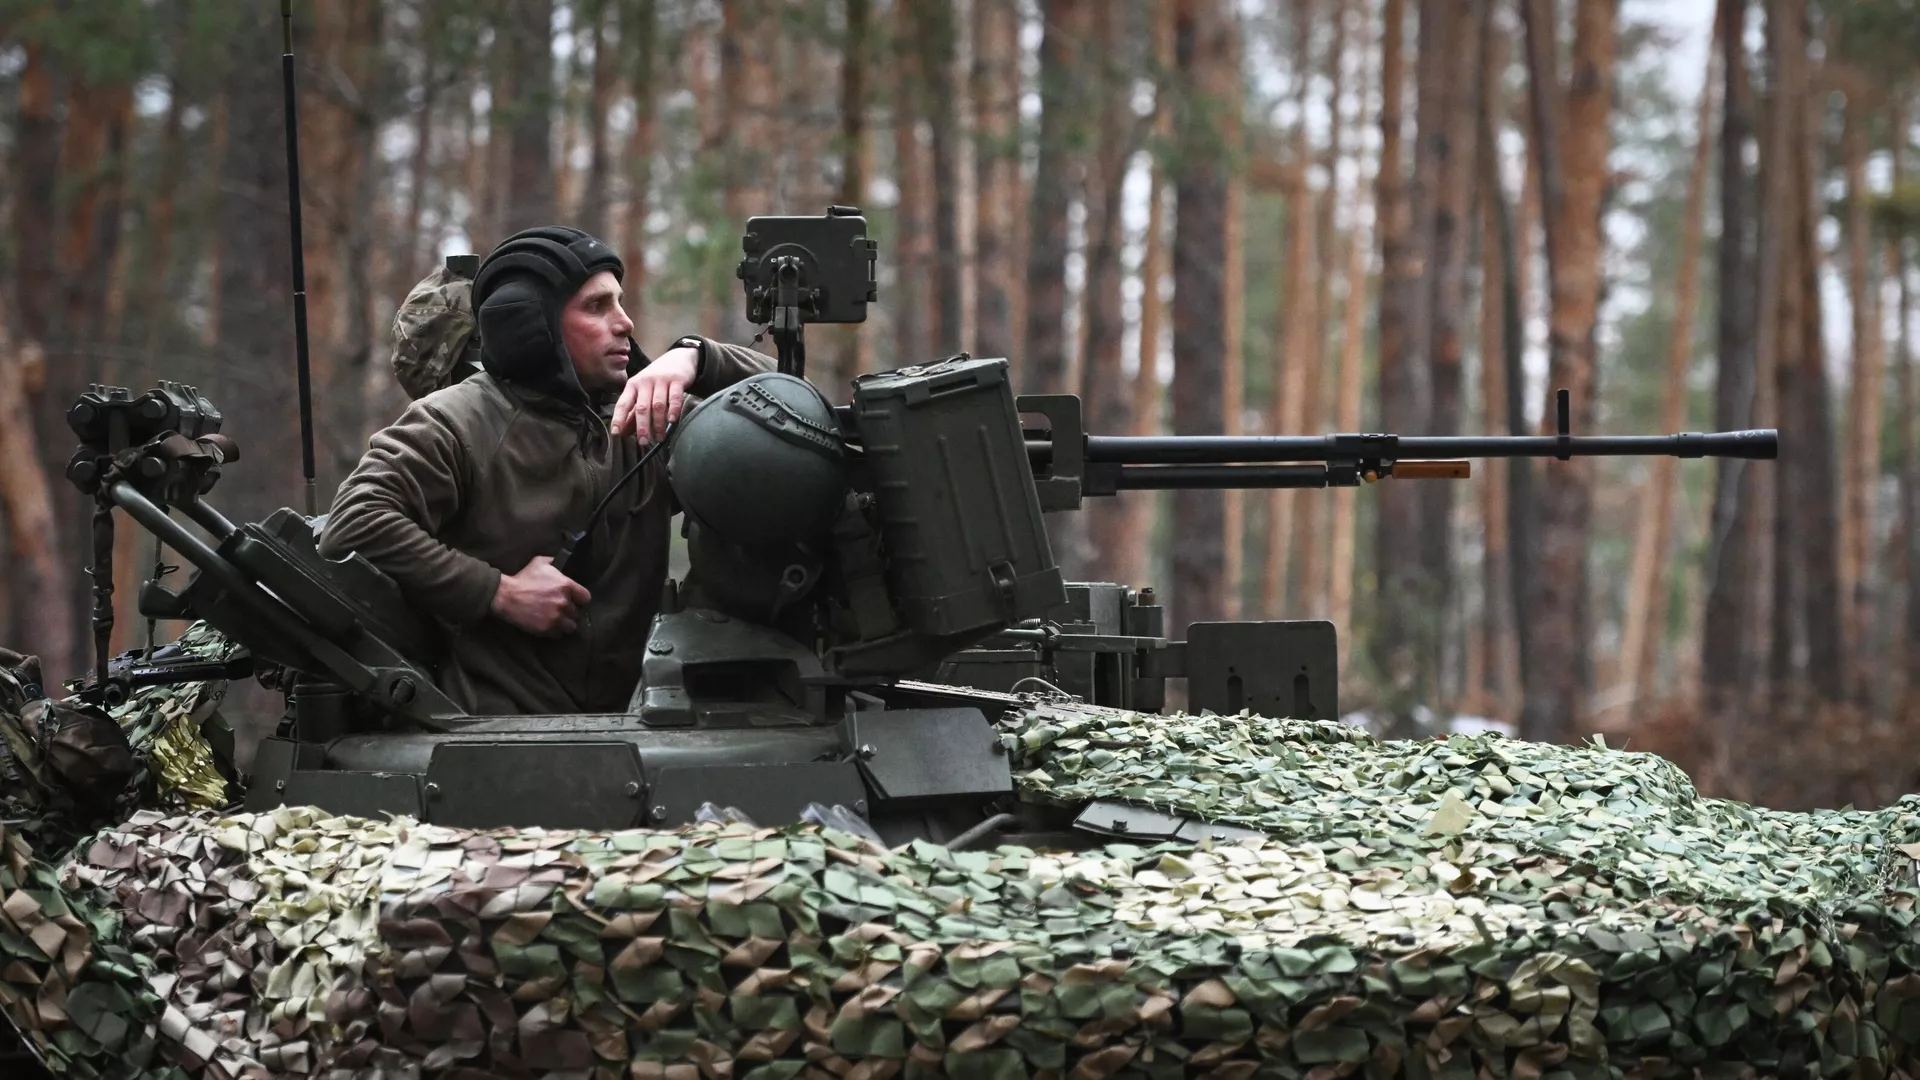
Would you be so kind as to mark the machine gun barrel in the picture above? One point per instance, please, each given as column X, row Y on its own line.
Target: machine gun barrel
column 1218, row 477
column 1070, row 464
column 1226, row 449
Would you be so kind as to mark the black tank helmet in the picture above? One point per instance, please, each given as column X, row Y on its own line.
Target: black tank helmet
column 518, row 294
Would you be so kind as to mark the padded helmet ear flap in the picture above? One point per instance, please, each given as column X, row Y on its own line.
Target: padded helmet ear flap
column 517, row 330
column 519, row 290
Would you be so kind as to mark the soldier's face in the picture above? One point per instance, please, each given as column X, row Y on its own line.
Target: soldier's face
column 596, row 331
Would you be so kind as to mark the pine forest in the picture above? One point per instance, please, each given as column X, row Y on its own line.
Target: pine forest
column 1201, row 216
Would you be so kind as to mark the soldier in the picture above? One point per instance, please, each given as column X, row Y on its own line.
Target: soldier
column 465, row 499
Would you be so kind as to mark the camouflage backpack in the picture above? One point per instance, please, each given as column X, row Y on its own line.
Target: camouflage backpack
column 50, row 749
column 436, row 341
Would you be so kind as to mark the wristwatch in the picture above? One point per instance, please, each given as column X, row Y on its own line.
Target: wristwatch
column 692, row 341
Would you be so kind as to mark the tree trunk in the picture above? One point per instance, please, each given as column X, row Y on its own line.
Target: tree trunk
column 1907, row 553
column 351, row 393
column 99, row 117
column 254, row 339
column 911, row 310
column 1298, row 326
column 150, row 288
column 934, row 30
column 1310, row 536
column 1521, row 237
column 1861, row 477
column 996, row 162
column 337, row 124
column 1646, row 616
column 1203, row 50
column 1352, row 375
column 43, row 612
column 1063, row 25
column 592, row 215
column 1516, row 263
column 531, row 195
column 94, row 157
column 749, row 73
column 1233, row 299
column 1500, row 661
column 845, row 359
column 1404, row 396
column 1107, row 399
column 36, row 173
column 1133, row 544
column 639, row 31
column 411, row 263
column 1726, row 669
column 1778, row 304
column 1804, row 650
column 208, row 205
column 9, row 602
column 500, row 114
column 814, row 63
column 147, row 306
column 486, row 172
column 1693, row 606
column 87, row 213
column 1780, row 287
column 1141, row 511
column 1288, row 411
column 1813, row 515
column 1447, row 135
column 1573, row 176
column 566, row 178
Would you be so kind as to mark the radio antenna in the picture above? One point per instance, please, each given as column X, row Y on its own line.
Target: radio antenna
column 299, row 257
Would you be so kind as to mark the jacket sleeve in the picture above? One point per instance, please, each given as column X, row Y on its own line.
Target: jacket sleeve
column 412, row 480
column 722, row 365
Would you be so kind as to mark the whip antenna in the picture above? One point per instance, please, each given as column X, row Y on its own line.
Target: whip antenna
column 299, row 259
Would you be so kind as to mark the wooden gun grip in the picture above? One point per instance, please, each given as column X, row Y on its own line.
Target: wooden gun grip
column 1432, row 470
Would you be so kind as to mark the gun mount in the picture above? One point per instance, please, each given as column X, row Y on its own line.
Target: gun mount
column 871, row 587
column 862, row 668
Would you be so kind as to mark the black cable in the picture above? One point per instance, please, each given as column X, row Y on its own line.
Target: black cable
column 578, row 548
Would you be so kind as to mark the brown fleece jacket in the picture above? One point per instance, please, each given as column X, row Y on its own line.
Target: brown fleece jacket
column 476, row 479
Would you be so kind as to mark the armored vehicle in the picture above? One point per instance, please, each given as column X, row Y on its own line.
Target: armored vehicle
column 873, row 636
column 871, row 587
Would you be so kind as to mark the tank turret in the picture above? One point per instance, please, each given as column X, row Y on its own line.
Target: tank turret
column 872, row 592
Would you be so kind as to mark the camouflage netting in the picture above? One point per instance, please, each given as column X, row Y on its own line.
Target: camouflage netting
column 72, row 982
column 1460, row 907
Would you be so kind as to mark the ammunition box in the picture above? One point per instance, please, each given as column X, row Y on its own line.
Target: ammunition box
column 967, row 547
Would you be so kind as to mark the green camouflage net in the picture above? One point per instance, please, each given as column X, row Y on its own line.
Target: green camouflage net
column 170, row 725
column 1633, row 817
column 1462, row 907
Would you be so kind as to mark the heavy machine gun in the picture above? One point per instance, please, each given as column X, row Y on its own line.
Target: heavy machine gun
column 871, row 586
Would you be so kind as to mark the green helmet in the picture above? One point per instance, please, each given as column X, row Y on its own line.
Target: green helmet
column 762, row 465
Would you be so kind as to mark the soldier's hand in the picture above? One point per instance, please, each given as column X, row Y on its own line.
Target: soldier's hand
column 653, row 398
column 540, row 599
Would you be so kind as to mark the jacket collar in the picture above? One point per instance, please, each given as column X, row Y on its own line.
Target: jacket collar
column 558, row 391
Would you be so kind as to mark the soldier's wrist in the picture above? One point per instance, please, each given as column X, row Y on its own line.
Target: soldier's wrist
column 699, row 346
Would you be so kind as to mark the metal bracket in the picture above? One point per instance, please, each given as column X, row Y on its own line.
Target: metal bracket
column 1060, row 489
column 687, row 640
column 1286, row 668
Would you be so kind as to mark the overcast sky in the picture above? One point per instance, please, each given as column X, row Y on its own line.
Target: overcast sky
column 1690, row 22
